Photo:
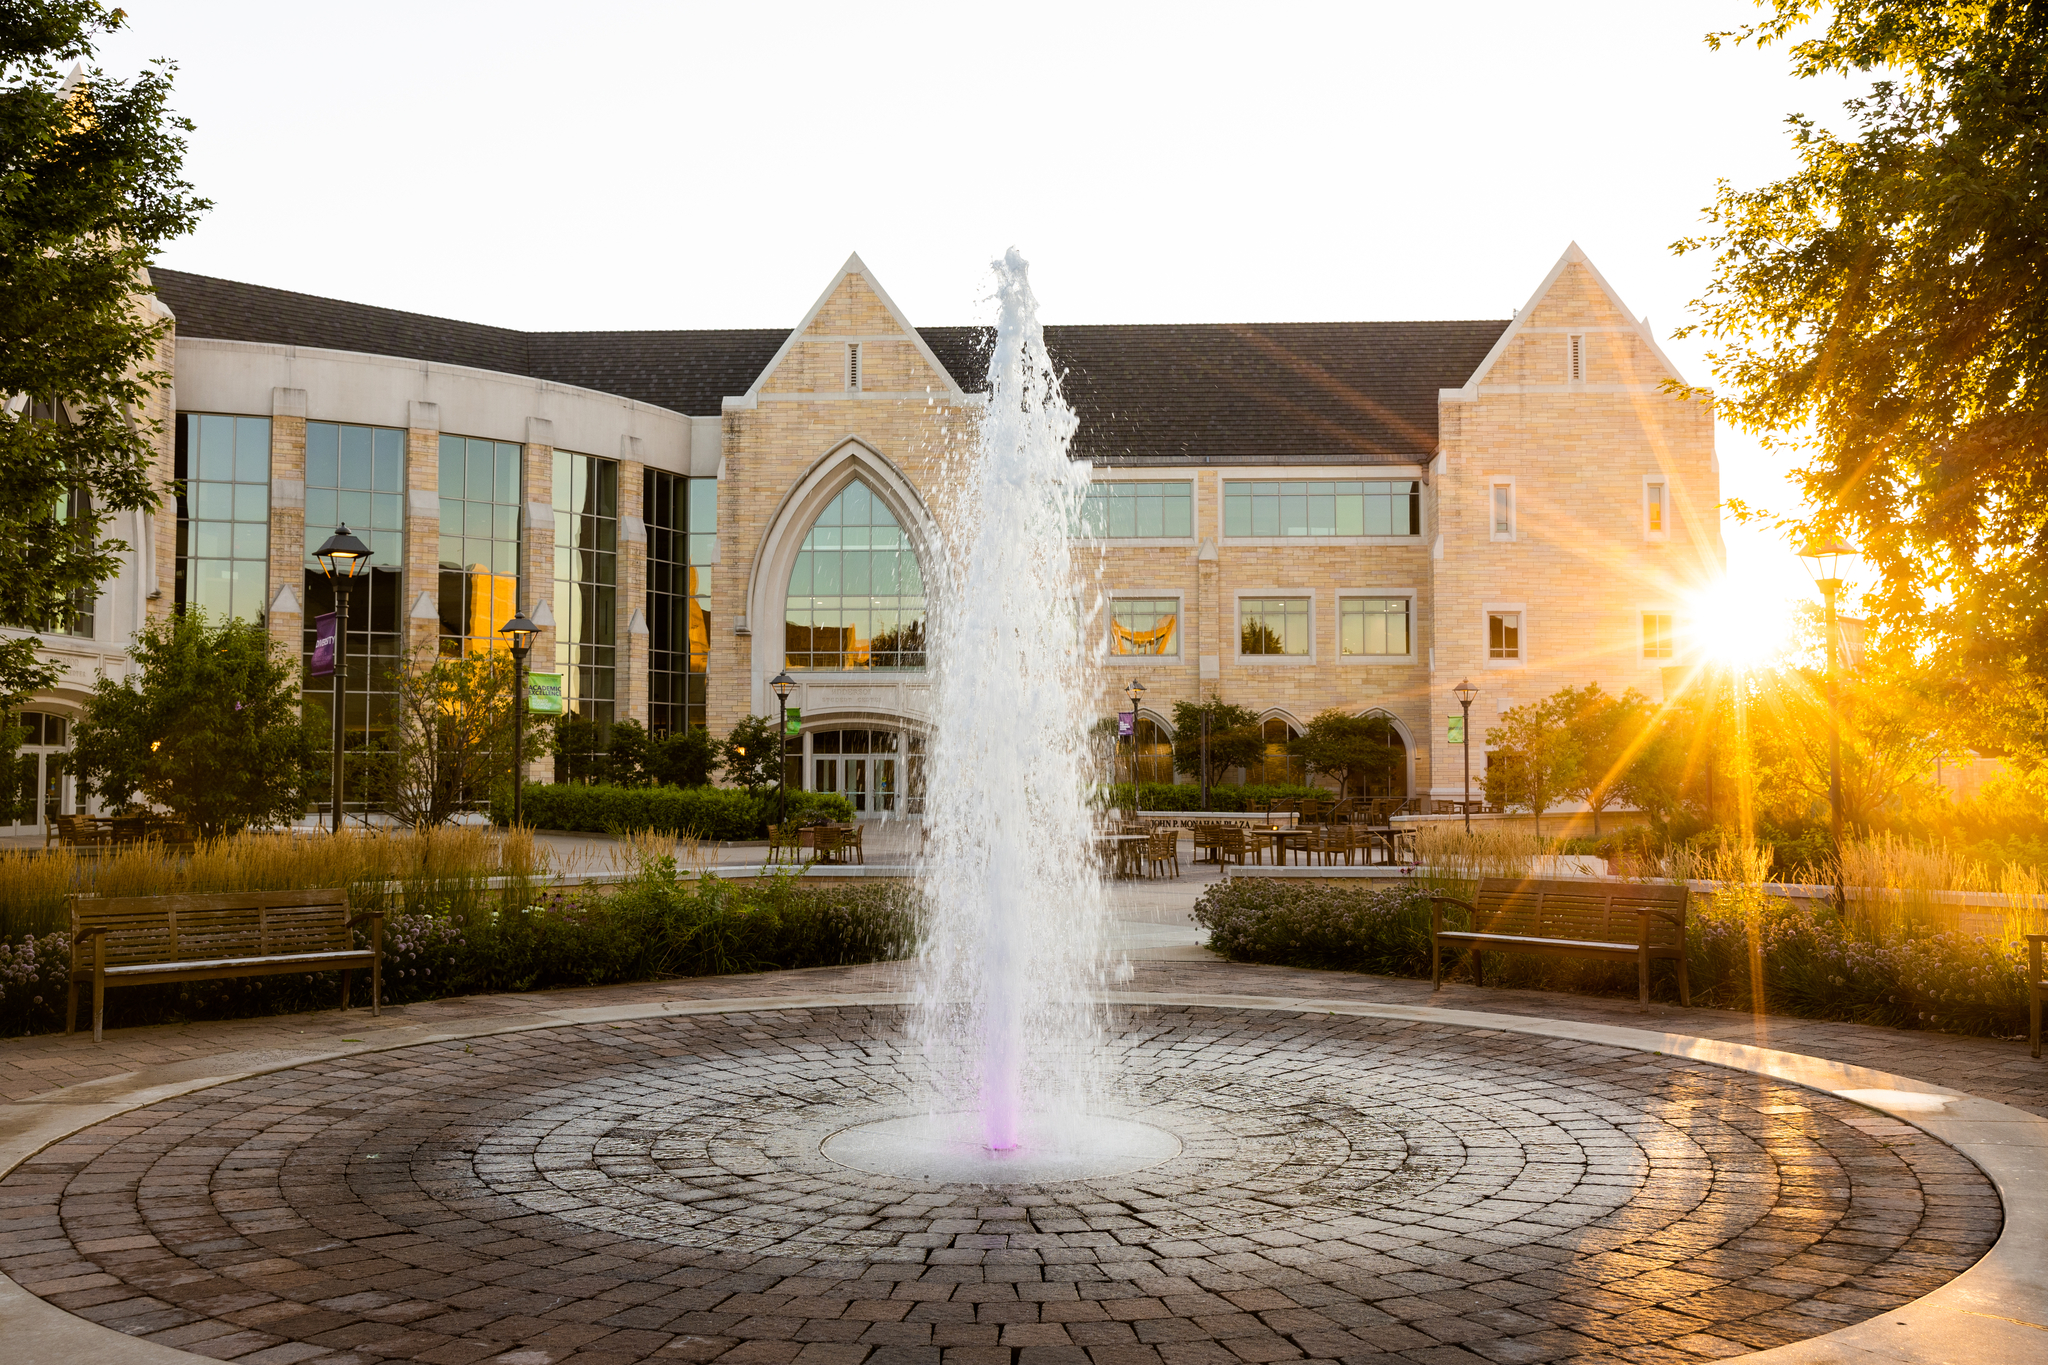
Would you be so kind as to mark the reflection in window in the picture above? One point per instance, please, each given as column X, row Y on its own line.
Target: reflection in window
column 1138, row 509
column 1303, row 507
column 1273, row 625
column 1144, row 625
column 479, row 544
column 1277, row 765
column 856, row 598
column 1504, row 635
column 682, row 526
column 357, row 474
column 1656, row 635
column 1154, row 751
column 1370, row 626
column 224, row 515
column 586, row 498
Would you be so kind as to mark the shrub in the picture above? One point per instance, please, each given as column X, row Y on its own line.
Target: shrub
column 1188, row 795
column 705, row 812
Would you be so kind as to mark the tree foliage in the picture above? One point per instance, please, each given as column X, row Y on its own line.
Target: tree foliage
column 207, row 727
column 1234, row 738
column 90, row 188
column 1880, row 313
column 1356, row 750
column 451, row 750
column 1536, row 757
column 752, row 754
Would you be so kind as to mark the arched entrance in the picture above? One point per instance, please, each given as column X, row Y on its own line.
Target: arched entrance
column 1388, row 778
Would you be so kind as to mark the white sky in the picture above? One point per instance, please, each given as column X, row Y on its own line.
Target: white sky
column 638, row 164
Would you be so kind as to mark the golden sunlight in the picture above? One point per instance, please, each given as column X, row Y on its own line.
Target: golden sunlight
column 1742, row 622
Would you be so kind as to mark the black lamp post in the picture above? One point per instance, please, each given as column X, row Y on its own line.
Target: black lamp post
column 1824, row 559
column 783, row 685
column 521, row 630
column 1134, row 690
column 1205, row 753
column 1465, row 692
column 344, row 559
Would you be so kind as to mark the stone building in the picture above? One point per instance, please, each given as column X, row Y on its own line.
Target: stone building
column 1290, row 517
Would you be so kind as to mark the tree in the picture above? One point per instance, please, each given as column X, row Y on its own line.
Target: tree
column 89, row 192
column 683, row 758
column 1234, row 739
column 207, row 726
column 626, row 754
column 1353, row 749
column 1609, row 733
column 452, row 748
column 579, row 749
column 1880, row 314
column 1534, row 760
column 752, row 754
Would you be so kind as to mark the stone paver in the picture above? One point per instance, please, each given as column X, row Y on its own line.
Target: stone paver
column 1347, row 1188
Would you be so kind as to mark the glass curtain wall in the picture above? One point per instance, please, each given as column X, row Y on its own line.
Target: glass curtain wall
column 357, row 475
column 586, row 500
column 682, row 539
column 223, row 515
column 856, row 597
column 480, row 485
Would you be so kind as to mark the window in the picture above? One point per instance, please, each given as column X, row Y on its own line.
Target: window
column 853, row 366
column 1138, row 509
column 1306, row 508
column 39, row 770
column 357, row 475
column 1372, row 626
column 858, row 764
column 1656, row 635
column 586, row 501
column 856, row 597
column 1575, row 358
column 1653, row 508
column 224, row 515
column 1273, row 626
column 1503, row 515
column 77, row 615
column 1504, row 635
column 479, row 543
column 1153, row 748
column 1144, row 625
column 682, row 540
column 1277, row 765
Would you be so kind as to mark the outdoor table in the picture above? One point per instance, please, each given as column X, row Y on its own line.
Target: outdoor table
column 807, row 837
column 1279, row 834
column 1125, row 850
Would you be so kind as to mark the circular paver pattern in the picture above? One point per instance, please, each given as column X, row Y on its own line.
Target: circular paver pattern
column 1338, row 1188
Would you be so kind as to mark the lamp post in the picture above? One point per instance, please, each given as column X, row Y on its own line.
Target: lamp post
column 1465, row 692
column 782, row 684
column 521, row 629
column 1134, row 690
column 343, row 558
column 1824, row 560
column 1205, row 755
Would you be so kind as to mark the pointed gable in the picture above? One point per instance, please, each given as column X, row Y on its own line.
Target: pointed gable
column 854, row 310
column 1617, row 352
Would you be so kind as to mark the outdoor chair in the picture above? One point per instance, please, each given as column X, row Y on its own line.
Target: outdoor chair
column 1163, row 852
column 1231, row 845
column 1205, row 837
column 828, row 843
column 851, row 843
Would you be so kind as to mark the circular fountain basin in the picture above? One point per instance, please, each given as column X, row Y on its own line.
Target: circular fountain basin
column 950, row 1147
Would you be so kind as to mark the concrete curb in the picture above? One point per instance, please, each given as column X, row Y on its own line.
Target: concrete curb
column 1994, row 1312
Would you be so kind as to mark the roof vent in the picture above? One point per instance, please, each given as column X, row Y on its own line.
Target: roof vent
column 1576, row 369
column 853, row 367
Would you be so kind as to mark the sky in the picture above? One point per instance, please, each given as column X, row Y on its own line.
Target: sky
column 674, row 165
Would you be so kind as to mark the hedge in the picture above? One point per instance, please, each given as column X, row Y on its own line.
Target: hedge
column 1814, row 965
column 706, row 812
column 1188, row 795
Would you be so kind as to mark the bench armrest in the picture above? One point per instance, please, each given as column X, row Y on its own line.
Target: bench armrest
column 1675, row 916
column 367, row 914
column 94, row 932
column 1436, row 911
column 2037, row 938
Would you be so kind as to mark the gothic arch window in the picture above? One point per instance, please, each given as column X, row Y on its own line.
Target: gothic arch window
column 1391, row 778
column 856, row 595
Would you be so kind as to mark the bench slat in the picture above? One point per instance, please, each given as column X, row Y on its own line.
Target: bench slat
column 311, row 961
column 1524, row 943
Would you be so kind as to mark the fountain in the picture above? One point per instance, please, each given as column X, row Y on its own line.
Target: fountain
column 1009, row 1015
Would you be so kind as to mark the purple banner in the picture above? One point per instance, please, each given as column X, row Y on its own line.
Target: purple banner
column 323, row 646
column 1123, row 723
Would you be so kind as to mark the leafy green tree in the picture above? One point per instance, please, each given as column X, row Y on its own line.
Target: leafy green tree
column 579, row 749
column 752, row 754
column 1355, row 750
column 683, row 758
column 1880, row 315
column 90, row 188
column 451, row 751
column 1609, row 733
column 626, row 754
column 207, row 726
column 1234, row 739
column 1535, row 758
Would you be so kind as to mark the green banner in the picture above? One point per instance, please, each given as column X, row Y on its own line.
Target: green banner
column 544, row 693
column 1457, row 730
column 794, row 726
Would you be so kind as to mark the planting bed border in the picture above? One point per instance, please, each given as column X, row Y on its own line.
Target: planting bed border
column 1997, row 1310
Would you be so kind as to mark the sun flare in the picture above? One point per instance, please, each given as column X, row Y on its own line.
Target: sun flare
column 1738, row 625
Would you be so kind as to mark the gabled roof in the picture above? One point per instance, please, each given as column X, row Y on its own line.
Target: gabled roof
column 857, row 269
column 1468, row 388
column 1254, row 393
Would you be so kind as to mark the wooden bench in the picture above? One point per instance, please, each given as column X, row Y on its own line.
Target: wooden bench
column 145, row 940
column 1614, row 920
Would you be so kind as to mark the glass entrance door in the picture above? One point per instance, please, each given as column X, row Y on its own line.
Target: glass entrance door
column 860, row 765
column 39, row 799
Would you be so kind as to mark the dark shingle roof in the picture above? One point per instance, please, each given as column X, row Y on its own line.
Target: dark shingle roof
column 1302, row 392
